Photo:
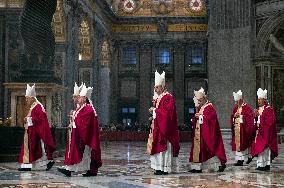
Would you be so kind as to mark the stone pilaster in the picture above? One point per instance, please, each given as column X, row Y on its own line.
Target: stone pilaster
column 2, row 67
column 179, row 89
column 115, row 59
column 97, row 46
column 71, row 72
column 229, row 55
column 145, row 91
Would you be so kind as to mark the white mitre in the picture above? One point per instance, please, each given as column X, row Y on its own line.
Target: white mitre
column 30, row 91
column 83, row 91
column 160, row 78
column 238, row 95
column 77, row 89
column 200, row 93
column 262, row 93
column 89, row 92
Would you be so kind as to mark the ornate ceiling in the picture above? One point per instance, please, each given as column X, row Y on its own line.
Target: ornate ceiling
column 151, row 8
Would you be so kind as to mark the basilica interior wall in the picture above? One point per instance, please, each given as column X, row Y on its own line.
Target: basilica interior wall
column 223, row 48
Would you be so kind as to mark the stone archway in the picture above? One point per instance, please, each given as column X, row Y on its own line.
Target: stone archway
column 269, row 60
column 270, row 26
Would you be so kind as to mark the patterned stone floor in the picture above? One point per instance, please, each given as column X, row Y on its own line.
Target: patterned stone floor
column 127, row 165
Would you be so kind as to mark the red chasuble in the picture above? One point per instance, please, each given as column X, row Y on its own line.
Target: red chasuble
column 246, row 128
column 165, row 126
column 85, row 133
column 211, row 141
column 266, row 135
column 40, row 130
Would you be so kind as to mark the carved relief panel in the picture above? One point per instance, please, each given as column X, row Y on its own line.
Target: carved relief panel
column 85, row 43
column 59, row 22
column 105, row 54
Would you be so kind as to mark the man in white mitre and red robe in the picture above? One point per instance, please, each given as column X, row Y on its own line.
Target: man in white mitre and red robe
column 83, row 153
column 76, row 95
column 38, row 145
column 265, row 145
column 207, row 150
column 165, row 144
column 241, row 123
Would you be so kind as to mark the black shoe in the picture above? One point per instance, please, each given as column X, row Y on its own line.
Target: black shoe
column 222, row 168
column 24, row 169
column 165, row 173
column 239, row 163
column 260, row 168
column 89, row 174
column 158, row 172
column 249, row 160
column 49, row 165
column 195, row 171
column 267, row 168
column 65, row 172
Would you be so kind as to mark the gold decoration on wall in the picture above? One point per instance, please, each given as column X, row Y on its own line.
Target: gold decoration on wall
column 132, row 28
column 58, row 22
column 187, row 27
column 85, row 41
column 195, row 6
column 11, row 3
column 163, row 7
column 105, row 60
column 170, row 8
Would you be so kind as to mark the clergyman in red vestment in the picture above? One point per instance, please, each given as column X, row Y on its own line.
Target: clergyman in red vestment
column 83, row 152
column 165, row 143
column 265, row 145
column 38, row 144
column 207, row 142
column 241, row 123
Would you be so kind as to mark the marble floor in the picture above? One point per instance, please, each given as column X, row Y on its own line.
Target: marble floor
column 126, row 164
